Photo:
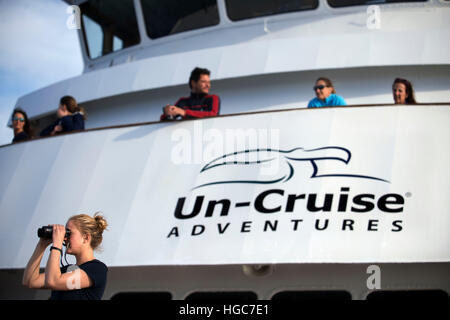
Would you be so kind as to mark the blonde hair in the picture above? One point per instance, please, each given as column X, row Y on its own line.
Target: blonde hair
column 91, row 225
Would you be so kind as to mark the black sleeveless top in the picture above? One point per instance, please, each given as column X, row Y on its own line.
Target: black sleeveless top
column 96, row 271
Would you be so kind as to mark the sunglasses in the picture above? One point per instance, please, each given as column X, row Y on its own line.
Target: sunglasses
column 319, row 87
column 18, row 119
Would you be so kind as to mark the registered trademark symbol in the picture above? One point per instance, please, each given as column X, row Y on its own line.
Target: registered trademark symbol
column 408, row 195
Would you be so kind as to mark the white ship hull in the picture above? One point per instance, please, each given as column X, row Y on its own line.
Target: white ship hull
column 338, row 156
column 264, row 70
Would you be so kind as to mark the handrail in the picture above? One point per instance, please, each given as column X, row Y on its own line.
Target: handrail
column 138, row 124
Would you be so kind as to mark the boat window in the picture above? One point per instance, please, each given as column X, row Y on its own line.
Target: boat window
column 222, row 296
column 138, row 296
column 94, row 37
column 346, row 3
column 312, row 296
column 239, row 10
column 109, row 25
column 117, row 43
column 167, row 17
column 409, row 295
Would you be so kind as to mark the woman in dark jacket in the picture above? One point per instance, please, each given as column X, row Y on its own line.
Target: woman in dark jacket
column 21, row 126
column 70, row 118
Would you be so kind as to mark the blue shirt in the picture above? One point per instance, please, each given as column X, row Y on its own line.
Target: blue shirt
column 332, row 100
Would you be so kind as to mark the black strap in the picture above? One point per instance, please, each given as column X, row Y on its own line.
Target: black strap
column 55, row 248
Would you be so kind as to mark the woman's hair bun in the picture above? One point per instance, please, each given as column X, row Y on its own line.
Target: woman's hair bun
column 100, row 221
column 91, row 225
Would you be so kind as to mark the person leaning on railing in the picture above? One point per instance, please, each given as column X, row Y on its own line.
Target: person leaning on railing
column 87, row 280
column 21, row 126
column 199, row 104
column 325, row 95
column 70, row 118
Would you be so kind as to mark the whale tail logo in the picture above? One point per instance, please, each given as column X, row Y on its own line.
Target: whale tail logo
column 257, row 157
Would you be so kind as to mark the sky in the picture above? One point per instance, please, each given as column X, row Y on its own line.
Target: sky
column 37, row 49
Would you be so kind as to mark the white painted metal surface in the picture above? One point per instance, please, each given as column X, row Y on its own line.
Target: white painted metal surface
column 138, row 175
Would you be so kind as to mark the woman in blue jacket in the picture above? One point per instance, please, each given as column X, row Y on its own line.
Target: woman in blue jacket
column 70, row 118
column 325, row 95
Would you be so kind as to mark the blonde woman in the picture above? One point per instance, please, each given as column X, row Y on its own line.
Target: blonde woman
column 88, row 279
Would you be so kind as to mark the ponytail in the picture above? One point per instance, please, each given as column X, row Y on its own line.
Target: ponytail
column 72, row 106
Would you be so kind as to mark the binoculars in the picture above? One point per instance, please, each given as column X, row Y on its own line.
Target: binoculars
column 46, row 232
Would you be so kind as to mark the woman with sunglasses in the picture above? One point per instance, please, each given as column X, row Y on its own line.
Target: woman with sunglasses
column 21, row 126
column 70, row 118
column 325, row 95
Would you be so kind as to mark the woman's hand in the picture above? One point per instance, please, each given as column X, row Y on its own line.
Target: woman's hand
column 58, row 128
column 59, row 233
column 44, row 243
